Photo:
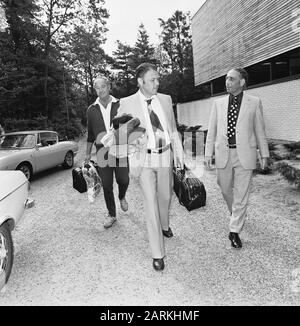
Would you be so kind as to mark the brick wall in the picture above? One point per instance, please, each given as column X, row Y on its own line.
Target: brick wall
column 281, row 104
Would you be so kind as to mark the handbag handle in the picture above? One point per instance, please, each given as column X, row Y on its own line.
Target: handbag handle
column 185, row 168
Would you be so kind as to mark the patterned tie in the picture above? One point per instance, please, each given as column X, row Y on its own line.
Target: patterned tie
column 156, row 125
column 232, row 121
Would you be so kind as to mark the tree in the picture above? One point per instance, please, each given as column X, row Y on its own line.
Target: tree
column 57, row 14
column 20, row 52
column 143, row 51
column 123, row 65
column 176, row 41
column 82, row 46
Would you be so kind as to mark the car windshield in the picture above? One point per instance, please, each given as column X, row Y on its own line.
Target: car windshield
column 17, row 141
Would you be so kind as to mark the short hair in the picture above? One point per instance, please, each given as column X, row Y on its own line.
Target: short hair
column 143, row 68
column 100, row 77
column 243, row 73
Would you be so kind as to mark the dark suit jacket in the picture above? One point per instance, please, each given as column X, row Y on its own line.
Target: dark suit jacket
column 95, row 121
column 96, row 126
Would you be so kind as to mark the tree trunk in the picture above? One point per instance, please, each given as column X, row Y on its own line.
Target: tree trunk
column 87, row 88
column 91, row 81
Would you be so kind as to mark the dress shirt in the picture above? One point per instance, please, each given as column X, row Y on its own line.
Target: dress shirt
column 106, row 111
column 234, row 106
column 156, row 107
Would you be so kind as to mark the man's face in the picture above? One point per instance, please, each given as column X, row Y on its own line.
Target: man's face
column 234, row 82
column 149, row 83
column 102, row 88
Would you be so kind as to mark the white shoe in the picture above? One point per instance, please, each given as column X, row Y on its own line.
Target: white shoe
column 109, row 221
column 124, row 204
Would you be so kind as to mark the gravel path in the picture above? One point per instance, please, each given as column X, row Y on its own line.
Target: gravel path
column 63, row 256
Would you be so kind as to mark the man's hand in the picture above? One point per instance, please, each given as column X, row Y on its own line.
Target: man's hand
column 264, row 163
column 178, row 163
column 87, row 158
column 208, row 162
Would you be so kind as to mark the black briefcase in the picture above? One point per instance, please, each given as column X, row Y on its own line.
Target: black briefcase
column 189, row 189
column 79, row 182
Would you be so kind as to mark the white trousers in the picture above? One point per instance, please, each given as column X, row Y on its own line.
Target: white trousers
column 156, row 184
column 235, row 184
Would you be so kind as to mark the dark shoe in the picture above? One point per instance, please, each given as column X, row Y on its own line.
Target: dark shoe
column 124, row 205
column 235, row 240
column 168, row 234
column 158, row 264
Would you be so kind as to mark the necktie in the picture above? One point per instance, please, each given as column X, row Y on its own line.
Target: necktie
column 232, row 118
column 153, row 117
column 156, row 125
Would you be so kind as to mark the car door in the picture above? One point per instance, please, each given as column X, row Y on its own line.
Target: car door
column 45, row 155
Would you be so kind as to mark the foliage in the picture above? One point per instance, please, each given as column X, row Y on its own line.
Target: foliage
column 291, row 173
column 178, row 77
column 143, row 51
column 293, row 146
column 12, row 125
column 44, row 57
column 65, row 129
column 51, row 52
column 60, row 124
column 124, row 83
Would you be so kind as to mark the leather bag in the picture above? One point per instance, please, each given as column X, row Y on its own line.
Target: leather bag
column 189, row 189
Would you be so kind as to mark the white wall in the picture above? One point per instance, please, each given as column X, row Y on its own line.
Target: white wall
column 281, row 104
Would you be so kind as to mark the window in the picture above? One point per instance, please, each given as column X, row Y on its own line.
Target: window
column 282, row 66
column 17, row 141
column 48, row 138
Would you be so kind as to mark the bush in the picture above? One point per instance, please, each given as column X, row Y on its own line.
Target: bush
column 12, row 125
column 291, row 173
column 293, row 146
column 60, row 124
column 65, row 129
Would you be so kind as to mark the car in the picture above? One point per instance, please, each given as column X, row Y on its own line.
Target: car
column 35, row 151
column 14, row 199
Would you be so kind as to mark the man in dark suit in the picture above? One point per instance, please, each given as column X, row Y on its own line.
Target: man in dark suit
column 154, row 162
column 99, row 119
column 236, row 129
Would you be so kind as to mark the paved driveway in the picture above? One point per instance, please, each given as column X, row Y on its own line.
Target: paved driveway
column 63, row 256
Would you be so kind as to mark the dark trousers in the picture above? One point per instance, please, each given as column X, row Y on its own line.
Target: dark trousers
column 107, row 177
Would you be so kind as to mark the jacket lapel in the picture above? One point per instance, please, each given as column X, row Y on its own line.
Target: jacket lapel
column 168, row 118
column 138, row 110
column 100, row 116
column 224, row 111
column 243, row 109
column 114, row 110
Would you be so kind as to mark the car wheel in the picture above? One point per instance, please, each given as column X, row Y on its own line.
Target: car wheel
column 26, row 169
column 69, row 160
column 6, row 250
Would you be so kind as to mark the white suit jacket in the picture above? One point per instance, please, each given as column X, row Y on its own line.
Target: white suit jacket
column 132, row 105
column 250, row 132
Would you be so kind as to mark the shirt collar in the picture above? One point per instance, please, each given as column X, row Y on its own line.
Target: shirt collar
column 144, row 98
column 239, row 97
column 113, row 100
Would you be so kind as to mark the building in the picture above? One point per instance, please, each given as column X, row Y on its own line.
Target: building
column 262, row 36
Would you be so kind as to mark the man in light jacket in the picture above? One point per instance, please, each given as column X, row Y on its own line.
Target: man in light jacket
column 161, row 147
column 236, row 129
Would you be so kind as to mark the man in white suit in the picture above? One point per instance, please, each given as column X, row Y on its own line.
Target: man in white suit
column 236, row 128
column 162, row 146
